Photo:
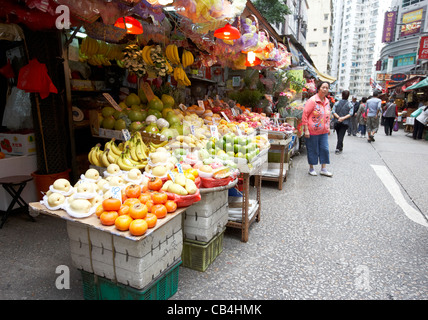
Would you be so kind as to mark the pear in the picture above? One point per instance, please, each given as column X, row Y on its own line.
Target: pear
column 85, row 187
column 113, row 169
column 80, row 205
column 134, row 174
column 55, row 199
column 62, row 185
column 92, row 174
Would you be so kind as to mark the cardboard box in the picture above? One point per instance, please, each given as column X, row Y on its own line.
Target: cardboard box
column 18, row 144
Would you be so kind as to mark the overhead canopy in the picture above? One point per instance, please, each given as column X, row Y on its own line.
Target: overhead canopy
column 324, row 77
column 420, row 84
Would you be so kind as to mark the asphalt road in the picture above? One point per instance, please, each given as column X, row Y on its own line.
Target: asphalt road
column 361, row 234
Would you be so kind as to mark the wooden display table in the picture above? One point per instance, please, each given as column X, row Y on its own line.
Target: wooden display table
column 278, row 174
column 248, row 210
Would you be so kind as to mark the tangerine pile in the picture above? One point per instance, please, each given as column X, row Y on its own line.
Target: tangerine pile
column 139, row 211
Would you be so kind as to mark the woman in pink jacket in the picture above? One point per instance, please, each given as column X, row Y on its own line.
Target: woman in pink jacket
column 316, row 125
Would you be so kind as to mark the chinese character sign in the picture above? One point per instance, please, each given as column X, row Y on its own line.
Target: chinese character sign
column 389, row 26
column 423, row 48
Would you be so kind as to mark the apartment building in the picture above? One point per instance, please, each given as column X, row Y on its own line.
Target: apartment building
column 319, row 38
column 357, row 33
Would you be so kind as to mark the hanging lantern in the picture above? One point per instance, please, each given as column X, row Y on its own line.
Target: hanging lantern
column 252, row 60
column 228, row 32
column 132, row 25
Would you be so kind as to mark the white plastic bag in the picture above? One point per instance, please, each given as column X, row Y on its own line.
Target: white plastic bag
column 17, row 112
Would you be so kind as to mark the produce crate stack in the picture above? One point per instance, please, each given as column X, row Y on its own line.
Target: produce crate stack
column 204, row 224
column 131, row 265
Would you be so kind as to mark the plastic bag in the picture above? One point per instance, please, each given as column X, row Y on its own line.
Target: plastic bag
column 17, row 112
column 395, row 128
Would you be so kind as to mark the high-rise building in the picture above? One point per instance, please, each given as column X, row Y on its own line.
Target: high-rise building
column 357, row 35
column 319, row 38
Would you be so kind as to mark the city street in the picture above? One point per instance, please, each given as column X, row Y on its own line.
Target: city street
column 362, row 234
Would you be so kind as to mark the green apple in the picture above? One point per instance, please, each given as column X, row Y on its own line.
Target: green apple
column 228, row 146
column 230, row 154
column 210, row 145
column 236, row 148
column 243, row 140
column 240, row 155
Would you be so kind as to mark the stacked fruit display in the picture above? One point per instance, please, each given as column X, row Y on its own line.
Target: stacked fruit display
column 138, row 114
column 131, row 154
column 119, row 193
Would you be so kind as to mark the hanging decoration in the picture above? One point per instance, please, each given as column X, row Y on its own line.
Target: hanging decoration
column 130, row 24
column 227, row 33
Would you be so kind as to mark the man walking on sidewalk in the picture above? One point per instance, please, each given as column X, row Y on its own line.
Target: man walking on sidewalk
column 353, row 122
column 374, row 107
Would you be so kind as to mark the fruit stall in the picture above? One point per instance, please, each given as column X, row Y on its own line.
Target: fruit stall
column 161, row 153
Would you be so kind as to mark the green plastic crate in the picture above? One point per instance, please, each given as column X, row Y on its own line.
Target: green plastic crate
column 198, row 255
column 161, row 288
column 274, row 156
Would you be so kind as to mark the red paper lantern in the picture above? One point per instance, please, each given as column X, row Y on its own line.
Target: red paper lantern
column 227, row 33
column 132, row 25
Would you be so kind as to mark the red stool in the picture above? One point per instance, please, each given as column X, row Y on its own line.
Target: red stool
column 10, row 184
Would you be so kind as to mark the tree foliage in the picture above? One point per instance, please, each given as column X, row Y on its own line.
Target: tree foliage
column 272, row 10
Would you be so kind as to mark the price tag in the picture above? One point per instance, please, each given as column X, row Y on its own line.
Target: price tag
column 238, row 130
column 211, row 103
column 201, row 104
column 126, row 134
column 116, row 193
column 192, row 129
column 182, row 107
column 179, row 167
column 234, row 112
column 112, row 102
column 224, row 115
column 214, row 132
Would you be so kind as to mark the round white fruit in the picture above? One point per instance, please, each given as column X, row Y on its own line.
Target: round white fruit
column 113, row 169
column 116, row 181
column 62, row 185
column 134, row 174
column 95, row 202
column 55, row 199
column 92, row 174
column 80, row 205
column 85, row 187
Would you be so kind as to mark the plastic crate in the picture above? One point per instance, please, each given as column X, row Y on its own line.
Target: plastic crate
column 161, row 288
column 198, row 255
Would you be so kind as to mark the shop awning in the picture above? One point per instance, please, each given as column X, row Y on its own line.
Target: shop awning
column 324, row 77
column 420, row 84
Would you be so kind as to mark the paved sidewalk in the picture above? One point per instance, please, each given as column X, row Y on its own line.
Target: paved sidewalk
column 319, row 238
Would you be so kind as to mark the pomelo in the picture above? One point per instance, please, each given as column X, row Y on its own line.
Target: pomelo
column 108, row 111
column 132, row 99
column 142, row 96
column 108, row 122
column 120, row 124
column 156, row 103
column 155, row 113
column 135, row 115
column 168, row 101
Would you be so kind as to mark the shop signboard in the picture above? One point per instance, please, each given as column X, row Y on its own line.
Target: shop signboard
column 412, row 22
column 423, row 48
column 389, row 26
column 398, row 77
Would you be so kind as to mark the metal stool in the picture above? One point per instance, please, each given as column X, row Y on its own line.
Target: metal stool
column 9, row 184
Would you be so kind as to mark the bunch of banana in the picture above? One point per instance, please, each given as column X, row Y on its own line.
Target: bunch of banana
column 187, row 58
column 98, row 60
column 170, row 68
column 94, row 155
column 172, row 54
column 126, row 163
column 154, row 147
column 181, row 77
column 89, row 46
column 146, row 55
column 114, row 52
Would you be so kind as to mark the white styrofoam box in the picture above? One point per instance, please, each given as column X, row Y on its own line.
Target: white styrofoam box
column 209, row 203
column 203, row 228
column 106, row 240
column 124, row 268
column 235, row 214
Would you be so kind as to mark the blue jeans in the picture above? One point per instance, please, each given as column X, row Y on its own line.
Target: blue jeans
column 317, row 149
column 362, row 129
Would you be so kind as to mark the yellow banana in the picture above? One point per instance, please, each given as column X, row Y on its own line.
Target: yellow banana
column 159, row 145
column 140, row 152
column 111, row 157
column 104, row 161
column 122, row 165
column 114, row 148
column 84, row 46
column 149, row 58
column 133, row 152
column 90, row 155
column 176, row 57
column 170, row 69
column 96, row 157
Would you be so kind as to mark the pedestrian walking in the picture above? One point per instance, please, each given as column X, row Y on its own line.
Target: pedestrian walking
column 420, row 123
column 342, row 112
column 374, row 107
column 316, row 125
column 389, row 115
column 362, row 118
column 353, row 123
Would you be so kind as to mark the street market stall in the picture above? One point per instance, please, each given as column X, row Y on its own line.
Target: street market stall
column 158, row 105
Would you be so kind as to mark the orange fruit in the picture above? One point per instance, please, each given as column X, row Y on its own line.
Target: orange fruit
column 155, row 184
column 159, row 210
column 151, row 220
column 108, row 218
column 99, row 210
column 133, row 191
column 138, row 211
column 122, row 222
column 159, row 197
column 149, row 205
column 111, row 204
column 138, row 227
column 144, row 197
column 171, row 206
column 130, row 201
column 124, row 210
column 189, row 176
